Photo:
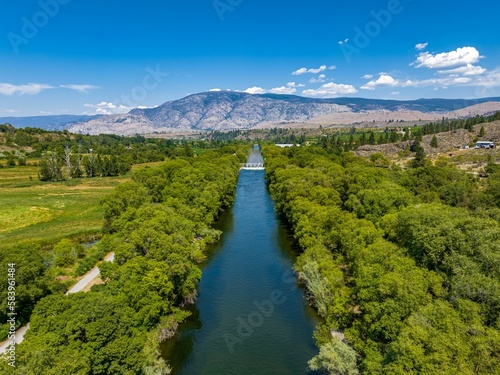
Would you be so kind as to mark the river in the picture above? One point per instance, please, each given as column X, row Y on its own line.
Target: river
column 251, row 316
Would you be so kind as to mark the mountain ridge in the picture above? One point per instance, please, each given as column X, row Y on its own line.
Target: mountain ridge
column 230, row 110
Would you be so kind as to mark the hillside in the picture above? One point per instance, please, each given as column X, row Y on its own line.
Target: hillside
column 235, row 110
column 55, row 122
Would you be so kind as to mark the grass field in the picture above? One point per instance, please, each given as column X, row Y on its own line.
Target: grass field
column 48, row 211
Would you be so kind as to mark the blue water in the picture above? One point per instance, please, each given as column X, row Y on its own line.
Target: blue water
column 250, row 317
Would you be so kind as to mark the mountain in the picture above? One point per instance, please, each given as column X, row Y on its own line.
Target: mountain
column 211, row 111
column 364, row 104
column 55, row 122
column 227, row 110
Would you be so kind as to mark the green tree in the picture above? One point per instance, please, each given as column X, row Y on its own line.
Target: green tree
column 65, row 253
column 50, row 168
column 371, row 139
column 11, row 161
column 482, row 132
column 335, row 358
column 434, row 142
column 90, row 165
column 419, row 160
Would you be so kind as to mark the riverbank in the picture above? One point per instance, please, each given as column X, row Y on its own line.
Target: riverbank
column 251, row 316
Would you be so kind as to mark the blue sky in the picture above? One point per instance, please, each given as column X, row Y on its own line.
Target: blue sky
column 74, row 56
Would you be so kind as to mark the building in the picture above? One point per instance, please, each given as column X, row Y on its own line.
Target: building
column 485, row 144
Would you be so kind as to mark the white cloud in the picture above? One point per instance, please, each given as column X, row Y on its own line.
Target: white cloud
column 283, row 90
column 80, row 88
column 421, row 46
column 331, row 89
column 489, row 79
column 395, row 93
column 45, row 113
column 108, row 108
column 11, row 111
column 300, row 71
column 343, row 41
column 255, row 90
column 386, row 80
column 461, row 56
column 452, row 80
column 322, row 68
column 214, row 90
column 383, row 80
column 28, row 89
column 321, row 78
column 293, row 84
column 468, row 70
column 367, row 76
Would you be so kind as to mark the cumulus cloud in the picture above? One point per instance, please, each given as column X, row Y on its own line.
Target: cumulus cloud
column 108, row 108
column 80, row 88
column 321, row 78
column 385, row 80
column 343, row 41
column 283, row 90
column 488, row 79
column 331, row 89
column 421, row 46
column 288, row 89
column 27, row 89
column 367, row 76
column 293, row 84
column 461, row 56
column 214, row 90
column 322, row 68
column 255, row 90
column 467, row 70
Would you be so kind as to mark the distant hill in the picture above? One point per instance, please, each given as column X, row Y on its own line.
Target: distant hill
column 228, row 110
column 55, row 122
column 363, row 104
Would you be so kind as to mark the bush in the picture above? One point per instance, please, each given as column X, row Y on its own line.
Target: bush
column 335, row 358
column 90, row 261
column 64, row 253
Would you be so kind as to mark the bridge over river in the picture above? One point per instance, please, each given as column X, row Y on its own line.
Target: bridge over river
column 256, row 166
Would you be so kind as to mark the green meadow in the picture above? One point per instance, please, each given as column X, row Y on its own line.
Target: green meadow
column 48, row 211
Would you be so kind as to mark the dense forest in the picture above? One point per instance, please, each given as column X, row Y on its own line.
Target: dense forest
column 158, row 225
column 61, row 155
column 349, row 139
column 354, row 138
column 402, row 265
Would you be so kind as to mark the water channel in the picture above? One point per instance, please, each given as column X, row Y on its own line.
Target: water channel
column 251, row 316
